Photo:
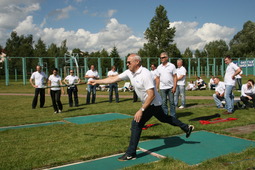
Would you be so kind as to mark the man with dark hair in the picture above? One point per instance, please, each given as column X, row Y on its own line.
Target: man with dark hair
column 91, row 74
column 248, row 94
column 229, row 79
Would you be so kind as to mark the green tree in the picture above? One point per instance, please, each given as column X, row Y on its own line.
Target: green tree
column 159, row 34
column 40, row 49
column 242, row 45
column 117, row 60
column 216, row 49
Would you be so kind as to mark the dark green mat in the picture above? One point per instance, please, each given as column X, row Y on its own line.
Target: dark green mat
column 110, row 163
column 199, row 147
column 29, row 126
column 96, row 118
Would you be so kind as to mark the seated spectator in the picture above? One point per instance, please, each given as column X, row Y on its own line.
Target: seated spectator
column 248, row 94
column 218, row 96
column 211, row 83
column 191, row 86
column 200, row 83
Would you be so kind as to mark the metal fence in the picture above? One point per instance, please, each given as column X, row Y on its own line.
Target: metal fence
column 21, row 68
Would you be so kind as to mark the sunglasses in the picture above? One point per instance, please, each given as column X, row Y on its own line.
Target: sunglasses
column 128, row 62
column 163, row 57
column 71, row 72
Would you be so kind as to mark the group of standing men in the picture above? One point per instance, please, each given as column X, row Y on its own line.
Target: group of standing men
column 170, row 81
column 38, row 80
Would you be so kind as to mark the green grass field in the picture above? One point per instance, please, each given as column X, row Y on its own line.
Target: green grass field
column 48, row 146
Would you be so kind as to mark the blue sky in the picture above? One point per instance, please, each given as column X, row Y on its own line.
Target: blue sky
column 95, row 24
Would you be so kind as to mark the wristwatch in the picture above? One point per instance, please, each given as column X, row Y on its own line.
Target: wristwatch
column 142, row 109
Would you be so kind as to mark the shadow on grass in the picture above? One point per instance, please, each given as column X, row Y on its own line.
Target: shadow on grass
column 191, row 104
column 183, row 114
column 169, row 143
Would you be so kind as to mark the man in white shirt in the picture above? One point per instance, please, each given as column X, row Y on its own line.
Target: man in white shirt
column 144, row 85
column 229, row 79
column 167, row 83
column 155, row 74
column 181, row 80
column 211, row 83
column 91, row 74
column 248, row 93
column 72, row 89
column 113, row 86
column 218, row 96
column 40, row 79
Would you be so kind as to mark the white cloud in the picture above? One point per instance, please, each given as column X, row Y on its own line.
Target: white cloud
column 108, row 14
column 62, row 13
column 111, row 12
column 114, row 34
column 189, row 35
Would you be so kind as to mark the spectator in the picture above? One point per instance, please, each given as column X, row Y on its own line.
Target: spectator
column 155, row 74
column 218, row 96
column 91, row 74
column 181, row 80
column 191, row 86
column 167, row 83
column 72, row 89
column 211, row 83
column 239, row 80
column 55, row 91
column 229, row 79
column 113, row 86
column 40, row 79
column 248, row 94
column 200, row 83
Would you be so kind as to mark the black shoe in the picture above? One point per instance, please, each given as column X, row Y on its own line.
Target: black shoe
column 190, row 129
column 126, row 157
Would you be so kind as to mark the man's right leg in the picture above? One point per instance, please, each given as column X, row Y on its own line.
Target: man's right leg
column 88, row 94
column 163, row 93
column 110, row 92
column 136, row 130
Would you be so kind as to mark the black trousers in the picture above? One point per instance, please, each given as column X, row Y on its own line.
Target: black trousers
column 113, row 86
column 73, row 92
column 245, row 100
column 55, row 97
column 38, row 91
column 136, row 128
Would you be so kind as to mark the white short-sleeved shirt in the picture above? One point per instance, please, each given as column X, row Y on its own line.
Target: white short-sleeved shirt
column 166, row 75
column 72, row 79
column 142, row 80
column 220, row 87
column 238, row 76
column 211, row 81
column 92, row 73
column 154, row 73
column 181, row 71
column 39, row 78
column 230, row 71
column 245, row 90
column 55, row 82
column 112, row 73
